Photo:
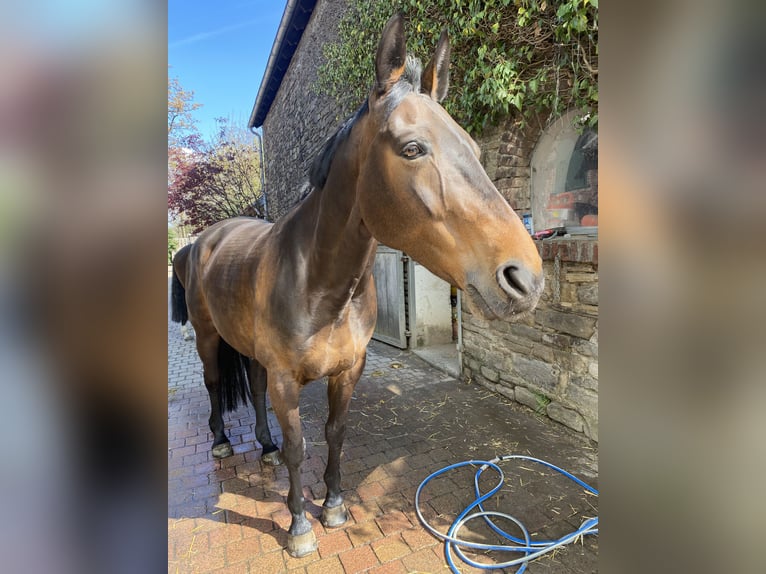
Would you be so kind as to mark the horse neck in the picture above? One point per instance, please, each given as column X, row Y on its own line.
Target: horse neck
column 338, row 249
column 342, row 247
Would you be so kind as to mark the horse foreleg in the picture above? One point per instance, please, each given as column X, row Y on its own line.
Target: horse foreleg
column 270, row 453
column 339, row 392
column 283, row 392
column 207, row 347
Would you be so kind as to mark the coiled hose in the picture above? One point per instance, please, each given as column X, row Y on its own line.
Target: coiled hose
column 525, row 546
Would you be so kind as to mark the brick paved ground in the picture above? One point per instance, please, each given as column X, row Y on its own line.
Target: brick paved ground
column 406, row 421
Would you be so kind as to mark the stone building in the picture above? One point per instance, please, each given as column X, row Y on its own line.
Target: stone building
column 547, row 171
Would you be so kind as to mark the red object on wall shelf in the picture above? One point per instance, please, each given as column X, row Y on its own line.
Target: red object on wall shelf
column 563, row 200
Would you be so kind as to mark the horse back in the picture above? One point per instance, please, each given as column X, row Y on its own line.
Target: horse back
column 221, row 276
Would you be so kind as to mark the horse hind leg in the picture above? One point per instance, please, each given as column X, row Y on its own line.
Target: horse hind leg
column 270, row 453
column 207, row 347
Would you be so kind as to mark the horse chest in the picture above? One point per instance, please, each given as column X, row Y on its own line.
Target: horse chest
column 329, row 353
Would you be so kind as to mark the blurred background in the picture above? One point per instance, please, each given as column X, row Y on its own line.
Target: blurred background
column 83, row 294
column 82, row 286
column 683, row 157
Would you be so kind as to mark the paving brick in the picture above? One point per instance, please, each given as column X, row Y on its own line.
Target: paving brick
column 331, row 565
column 358, row 559
column 223, row 536
column 185, row 544
column 370, row 491
column 192, row 459
column 242, row 568
column 395, row 567
column 364, row 533
column 368, row 510
column 393, row 522
column 333, row 543
column 417, row 538
column 271, row 562
column 243, row 549
column 268, row 507
column 282, row 517
column 183, row 451
column 230, row 515
column 390, row 548
column 425, row 560
column 297, row 563
column 275, row 540
column 207, row 559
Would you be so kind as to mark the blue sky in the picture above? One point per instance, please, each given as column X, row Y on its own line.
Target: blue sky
column 220, row 50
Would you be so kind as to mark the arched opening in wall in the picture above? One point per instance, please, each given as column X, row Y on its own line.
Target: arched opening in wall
column 564, row 178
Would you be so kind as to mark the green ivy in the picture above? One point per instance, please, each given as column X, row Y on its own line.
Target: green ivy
column 520, row 58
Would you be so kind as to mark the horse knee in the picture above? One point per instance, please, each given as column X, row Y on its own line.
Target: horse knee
column 294, row 453
column 334, row 432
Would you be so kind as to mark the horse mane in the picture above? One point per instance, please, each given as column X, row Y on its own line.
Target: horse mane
column 407, row 83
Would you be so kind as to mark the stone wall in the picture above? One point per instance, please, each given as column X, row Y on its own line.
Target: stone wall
column 548, row 361
column 506, row 151
column 300, row 120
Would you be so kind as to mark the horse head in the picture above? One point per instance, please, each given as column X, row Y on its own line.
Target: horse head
column 422, row 189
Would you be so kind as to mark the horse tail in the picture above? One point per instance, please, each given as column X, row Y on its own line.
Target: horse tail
column 233, row 373
column 180, row 313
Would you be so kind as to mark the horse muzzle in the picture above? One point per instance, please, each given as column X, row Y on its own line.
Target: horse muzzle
column 514, row 289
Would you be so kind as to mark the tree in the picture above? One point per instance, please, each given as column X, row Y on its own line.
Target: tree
column 182, row 126
column 217, row 180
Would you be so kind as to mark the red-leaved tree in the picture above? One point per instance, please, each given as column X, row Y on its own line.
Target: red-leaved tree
column 213, row 181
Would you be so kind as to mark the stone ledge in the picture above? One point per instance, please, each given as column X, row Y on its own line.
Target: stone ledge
column 569, row 250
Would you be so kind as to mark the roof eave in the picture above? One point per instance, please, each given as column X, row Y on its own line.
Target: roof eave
column 294, row 21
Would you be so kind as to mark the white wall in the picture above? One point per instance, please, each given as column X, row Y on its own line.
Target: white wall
column 432, row 323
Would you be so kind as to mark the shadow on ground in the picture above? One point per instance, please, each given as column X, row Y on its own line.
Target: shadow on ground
column 406, row 421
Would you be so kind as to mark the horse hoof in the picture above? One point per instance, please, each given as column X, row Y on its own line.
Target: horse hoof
column 335, row 516
column 301, row 545
column 222, row 450
column 272, row 458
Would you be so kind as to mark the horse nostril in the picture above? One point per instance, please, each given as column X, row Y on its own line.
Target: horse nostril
column 513, row 278
column 516, row 280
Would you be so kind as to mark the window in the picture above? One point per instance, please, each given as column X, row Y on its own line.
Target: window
column 564, row 179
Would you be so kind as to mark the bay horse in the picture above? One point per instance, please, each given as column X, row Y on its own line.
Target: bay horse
column 294, row 301
column 180, row 313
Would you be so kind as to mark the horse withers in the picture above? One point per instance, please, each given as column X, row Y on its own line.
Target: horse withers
column 294, row 301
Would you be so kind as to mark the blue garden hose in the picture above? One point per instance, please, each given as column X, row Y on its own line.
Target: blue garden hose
column 525, row 546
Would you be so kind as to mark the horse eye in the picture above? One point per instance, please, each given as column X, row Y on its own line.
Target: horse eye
column 412, row 150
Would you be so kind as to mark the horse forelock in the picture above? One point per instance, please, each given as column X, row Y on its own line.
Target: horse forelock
column 407, row 83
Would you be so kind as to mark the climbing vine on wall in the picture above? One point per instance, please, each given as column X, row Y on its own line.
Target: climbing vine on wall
column 525, row 58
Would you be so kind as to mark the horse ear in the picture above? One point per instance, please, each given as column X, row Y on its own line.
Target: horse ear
column 392, row 51
column 435, row 81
